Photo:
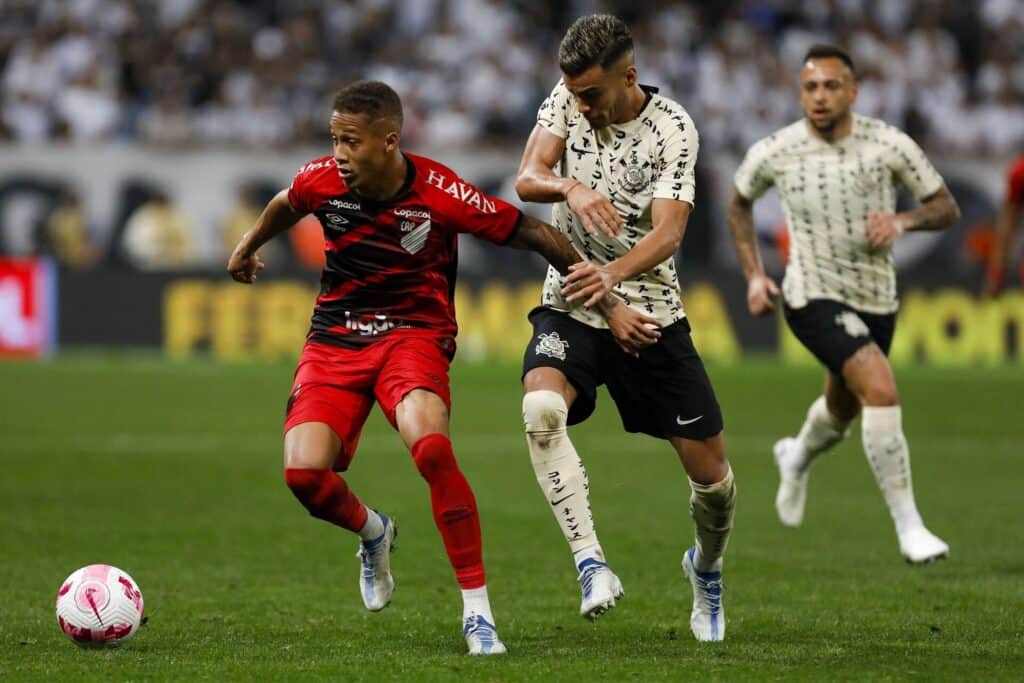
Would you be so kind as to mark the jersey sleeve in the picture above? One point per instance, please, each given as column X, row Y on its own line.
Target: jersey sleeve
column 554, row 112
column 299, row 191
column 755, row 174
column 1015, row 183
column 913, row 169
column 678, row 160
column 468, row 209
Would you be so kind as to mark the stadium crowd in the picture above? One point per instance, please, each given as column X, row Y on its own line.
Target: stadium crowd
column 259, row 73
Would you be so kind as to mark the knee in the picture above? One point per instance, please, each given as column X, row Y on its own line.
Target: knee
column 880, row 394
column 433, row 456
column 544, row 416
column 307, row 485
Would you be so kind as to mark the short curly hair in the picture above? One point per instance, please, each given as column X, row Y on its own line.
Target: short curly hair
column 375, row 99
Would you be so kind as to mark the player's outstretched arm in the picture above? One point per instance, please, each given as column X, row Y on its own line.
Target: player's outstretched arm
column 277, row 217
column 537, row 181
column 1009, row 217
column 632, row 330
column 760, row 287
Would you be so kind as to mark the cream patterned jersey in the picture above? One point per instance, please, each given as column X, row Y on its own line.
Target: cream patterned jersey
column 652, row 156
column 828, row 190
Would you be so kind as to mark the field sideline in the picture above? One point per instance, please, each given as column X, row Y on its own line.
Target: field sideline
column 172, row 472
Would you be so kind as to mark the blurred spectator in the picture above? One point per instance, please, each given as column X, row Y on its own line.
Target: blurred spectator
column 157, row 235
column 66, row 233
column 261, row 72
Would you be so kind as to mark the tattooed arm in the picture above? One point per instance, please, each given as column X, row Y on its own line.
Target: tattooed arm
column 937, row 212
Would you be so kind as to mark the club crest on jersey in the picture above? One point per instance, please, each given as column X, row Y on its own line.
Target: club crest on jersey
column 415, row 237
column 550, row 344
column 852, row 324
column 634, row 179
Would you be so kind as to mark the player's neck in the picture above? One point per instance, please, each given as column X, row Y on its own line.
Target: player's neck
column 390, row 183
column 837, row 132
column 637, row 99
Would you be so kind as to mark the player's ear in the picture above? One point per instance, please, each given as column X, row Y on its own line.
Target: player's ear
column 391, row 140
column 631, row 75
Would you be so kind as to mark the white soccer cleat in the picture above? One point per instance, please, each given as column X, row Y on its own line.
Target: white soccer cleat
column 920, row 546
column 707, row 620
column 482, row 637
column 792, row 494
column 375, row 581
column 601, row 588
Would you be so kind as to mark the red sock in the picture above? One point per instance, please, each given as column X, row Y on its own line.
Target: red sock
column 327, row 497
column 454, row 508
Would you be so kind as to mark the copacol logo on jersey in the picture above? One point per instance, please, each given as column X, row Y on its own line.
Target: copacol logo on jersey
column 551, row 345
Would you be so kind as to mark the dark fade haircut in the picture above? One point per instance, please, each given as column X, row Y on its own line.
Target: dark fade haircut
column 824, row 51
column 593, row 40
column 375, row 99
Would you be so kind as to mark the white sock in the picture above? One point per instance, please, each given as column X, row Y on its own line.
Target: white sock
column 591, row 552
column 820, row 432
column 711, row 507
column 889, row 457
column 475, row 601
column 558, row 467
column 374, row 526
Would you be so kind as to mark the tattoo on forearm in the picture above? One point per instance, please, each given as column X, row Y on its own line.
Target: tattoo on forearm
column 741, row 228
column 938, row 212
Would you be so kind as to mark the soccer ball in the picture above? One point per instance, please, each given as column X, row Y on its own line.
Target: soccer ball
column 98, row 606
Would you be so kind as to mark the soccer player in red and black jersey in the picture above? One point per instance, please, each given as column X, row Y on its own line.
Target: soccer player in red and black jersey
column 384, row 329
column 1009, row 220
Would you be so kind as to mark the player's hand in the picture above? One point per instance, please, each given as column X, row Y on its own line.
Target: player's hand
column 883, row 229
column 594, row 209
column 632, row 330
column 760, row 291
column 243, row 264
column 586, row 280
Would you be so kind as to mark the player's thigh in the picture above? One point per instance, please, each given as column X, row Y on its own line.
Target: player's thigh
column 564, row 355
column 414, row 379
column 869, row 376
column 322, row 426
column 703, row 459
column 665, row 391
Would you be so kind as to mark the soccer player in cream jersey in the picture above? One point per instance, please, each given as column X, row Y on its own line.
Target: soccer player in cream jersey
column 617, row 161
column 837, row 172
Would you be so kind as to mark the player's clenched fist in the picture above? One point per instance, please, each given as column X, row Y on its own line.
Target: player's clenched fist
column 883, row 229
column 243, row 264
column 594, row 209
column 760, row 291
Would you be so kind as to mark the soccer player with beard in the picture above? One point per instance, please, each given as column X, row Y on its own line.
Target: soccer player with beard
column 384, row 328
column 617, row 161
column 837, row 173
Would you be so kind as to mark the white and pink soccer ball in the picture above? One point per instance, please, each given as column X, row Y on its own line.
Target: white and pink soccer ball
column 99, row 605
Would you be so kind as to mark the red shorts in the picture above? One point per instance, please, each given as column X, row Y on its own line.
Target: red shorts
column 337, row 386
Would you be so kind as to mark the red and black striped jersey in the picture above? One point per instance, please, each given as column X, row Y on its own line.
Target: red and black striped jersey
column 392, row 264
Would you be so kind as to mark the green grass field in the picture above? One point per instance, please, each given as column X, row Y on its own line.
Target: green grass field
column 172, row 472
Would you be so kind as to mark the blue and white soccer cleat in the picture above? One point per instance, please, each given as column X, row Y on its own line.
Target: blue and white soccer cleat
column 707, row 620
column 481, row 636
column 375, row 581
column 792, row 494
column 601, row 588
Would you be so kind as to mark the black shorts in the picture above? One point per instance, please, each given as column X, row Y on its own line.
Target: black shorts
column 665, row 392
column 833, row 331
